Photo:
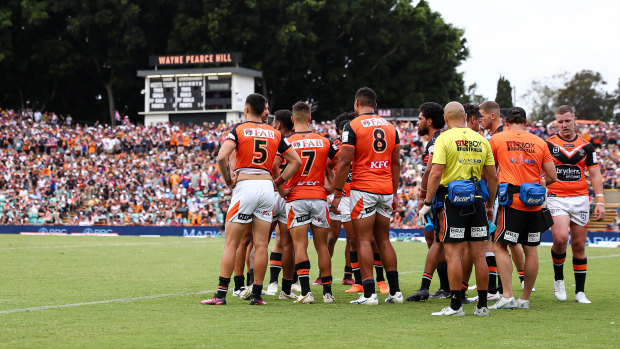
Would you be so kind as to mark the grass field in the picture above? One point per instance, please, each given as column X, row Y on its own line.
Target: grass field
column 128, row 292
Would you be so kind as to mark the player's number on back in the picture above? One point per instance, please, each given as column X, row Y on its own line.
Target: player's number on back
column 260, row 152
column 309, row 156
column 379, row 144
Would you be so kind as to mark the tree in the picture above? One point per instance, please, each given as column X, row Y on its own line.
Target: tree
column 504, row 93
column 472, row 96
column 542, row 97
column 584, row 91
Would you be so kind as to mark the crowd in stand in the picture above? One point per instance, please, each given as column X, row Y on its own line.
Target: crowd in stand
column 56, row 172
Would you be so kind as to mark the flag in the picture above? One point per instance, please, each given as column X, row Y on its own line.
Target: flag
column 117, row 116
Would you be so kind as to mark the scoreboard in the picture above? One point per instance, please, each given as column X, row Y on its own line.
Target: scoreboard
column 189, row 93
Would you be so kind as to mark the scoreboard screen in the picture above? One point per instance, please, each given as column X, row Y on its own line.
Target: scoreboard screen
column 189, row 92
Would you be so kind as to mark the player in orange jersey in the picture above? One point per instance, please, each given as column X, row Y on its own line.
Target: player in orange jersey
column 372, row 145
column 306, row 202
column 569, row 202
column 256, row 145
column 521, row 158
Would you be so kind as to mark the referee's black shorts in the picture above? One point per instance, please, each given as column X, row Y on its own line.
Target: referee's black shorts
column 462, row 223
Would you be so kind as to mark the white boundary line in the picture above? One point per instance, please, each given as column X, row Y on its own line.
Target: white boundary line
column 156, row 296
column 92, row 245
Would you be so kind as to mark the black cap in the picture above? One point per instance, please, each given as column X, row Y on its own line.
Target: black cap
column 516, row 111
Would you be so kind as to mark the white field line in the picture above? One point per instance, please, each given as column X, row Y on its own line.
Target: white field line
column 156, row 296
column 92, row 245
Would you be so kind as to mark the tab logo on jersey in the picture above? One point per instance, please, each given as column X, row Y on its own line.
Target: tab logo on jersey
column 533, row 237
column 244, row 217
column 478, row 232
column 511, row 236
column 457, row 233
column 302, row 219
column 257, row 132
column 308, row 143
column 379, row 164
column 374, row 122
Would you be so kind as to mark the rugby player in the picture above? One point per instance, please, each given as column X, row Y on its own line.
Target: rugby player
column 569, row 202
column 521, row 157
column 430, row 123
column 306, row 202
column 461, row 156
column 256, row 145
column 371, row 145
column 491, row 120
column 281, row 257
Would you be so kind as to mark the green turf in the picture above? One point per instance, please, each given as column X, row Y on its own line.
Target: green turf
column 39, row 271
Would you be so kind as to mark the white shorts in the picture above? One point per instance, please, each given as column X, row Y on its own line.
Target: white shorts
column 251, row 198
column 345, row 209
column 576, row 207
column 365, row 204
column 279, row 209
column 311, row 211
column 333, row 216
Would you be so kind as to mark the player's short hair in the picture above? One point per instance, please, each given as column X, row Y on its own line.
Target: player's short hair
column 490, row 107
column 472, row 111
column 563, row 109
column 301, row 107
column 284, row 116
column 256, row 102
column 343, row 118
column 434, row 111
column 366, row 97
column 516, row 115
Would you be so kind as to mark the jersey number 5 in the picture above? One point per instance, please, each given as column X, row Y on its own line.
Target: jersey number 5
column 309, row 155
column 379, row 143
column 260, row 152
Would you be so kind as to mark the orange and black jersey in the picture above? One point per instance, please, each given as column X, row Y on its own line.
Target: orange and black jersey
column 256, row 145
column 347, row 185
column 314, row 151
column 428, row 151
column 571, row 159
column 374, row 140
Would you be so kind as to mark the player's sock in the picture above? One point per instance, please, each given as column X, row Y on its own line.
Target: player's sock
column 580, row 267
column 222, row 287
column 348, row 272
column 295, row 277
column 239, row 279
column 275, row 266
column 303, row 271
column 426, row 281
column 355, row 266
column 379, row 267
column 558, row 265
column 327, row 284
column 369, row 287
column 490, row 257
column 392, row 277
column 464, row 288
column 257, row 291
column 286, row 285
column 442, row 272
column 482, row 298
column 455, row 299
column 250, row 277
column 521, row 275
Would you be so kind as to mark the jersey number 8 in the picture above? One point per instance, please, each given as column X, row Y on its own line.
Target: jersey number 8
column 379, row 143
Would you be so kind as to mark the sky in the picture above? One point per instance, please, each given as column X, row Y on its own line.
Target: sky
column 526, row 40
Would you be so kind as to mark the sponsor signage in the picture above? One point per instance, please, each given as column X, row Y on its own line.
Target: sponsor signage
column 195, row 59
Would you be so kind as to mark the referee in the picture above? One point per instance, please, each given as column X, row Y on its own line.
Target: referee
column 461, row 155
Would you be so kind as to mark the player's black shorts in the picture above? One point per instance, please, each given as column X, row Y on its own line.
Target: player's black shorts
column 461, row 223
column 516, row 226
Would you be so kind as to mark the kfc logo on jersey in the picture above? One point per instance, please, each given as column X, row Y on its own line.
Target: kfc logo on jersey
column 308, row 143
column 308, row 183
column 374, row 122
column 379, row 164
column 257, row 132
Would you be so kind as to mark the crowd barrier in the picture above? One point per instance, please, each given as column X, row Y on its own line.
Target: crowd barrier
column 594, row 237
